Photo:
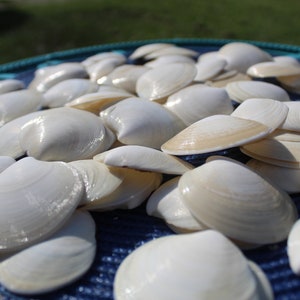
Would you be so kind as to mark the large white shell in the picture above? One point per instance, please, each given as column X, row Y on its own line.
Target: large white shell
column 202, row 265
column 143, row 158
column 240, row 91
column 53, row 263
column 199, row 101
column 240, row 204
column 65, row 134
column 293, row 248
column 68, row 90
column 18, row 103
column 160, row 82
column 30, row 208
column 292, row 121
column 5, row 162
column 9, row 85
column 214, row 133
column 166, row 203
column 141, row 122
column 271, row 113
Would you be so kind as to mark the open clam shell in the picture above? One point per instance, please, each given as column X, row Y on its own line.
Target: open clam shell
column 243, row 205
column 214, row 133
column 55, row 262
column 293, row 248
column 30, row 211
column 192, row 266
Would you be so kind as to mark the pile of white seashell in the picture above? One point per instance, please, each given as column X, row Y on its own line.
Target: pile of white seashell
column 99, row 134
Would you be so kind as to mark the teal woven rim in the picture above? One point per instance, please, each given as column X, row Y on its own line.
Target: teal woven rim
column 21, row 65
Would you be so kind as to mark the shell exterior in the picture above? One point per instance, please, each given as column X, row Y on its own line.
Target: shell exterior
column 243, row 205
column 5, row 162
column 167, row 59
column 10, row 85
column 18, row 103
column 186, row 266
column 166, row 203
column 65, row 256
column 285, row 135
column 227, row 77
column 141, row 122
column 144, row 50
column 30, row 210
column 65, row 134
column 240, row 91
column 68, row 90
column 241, row 56
column 163, row 81
column 173, row 50
column 292, row 121
column 143, row 158
column 103, row 56
column 134, row 189
column 293, row 248
column 271, row 113
column 290, row 83
column 199, row 101
column 214, row 133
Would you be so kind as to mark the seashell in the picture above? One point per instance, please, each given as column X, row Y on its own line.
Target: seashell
column 293, row 248
column 173, row 50
column 240, row 91
column 214, row 133
column 273, row 69
column 199, row 101
column 30, row 211
column 290, row 83
column 210, row 55
column 143, row 158
column 46, row 77
column 68, row 90
column 166, row 203
column 287, row 179
column 144, row 50
column 160, row 82
column 226, row 77
column 103, row 56
column 243, row 206
column 135, row 188
column 285, row 135
column 286, row 59
column 167, row 59
column 292, row 121
column 65, row 256
column 65, row 134
column 18, row 103
column 98, row 179
column 137, row 121
column 241, row 56
column 279, row 153
column 186, row 266
column 271, row 113
column 10, row 85
column 98, row 101
column 126, row 76
column 5, row 162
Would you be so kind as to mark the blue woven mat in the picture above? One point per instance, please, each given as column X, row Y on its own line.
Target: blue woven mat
column 120, row 231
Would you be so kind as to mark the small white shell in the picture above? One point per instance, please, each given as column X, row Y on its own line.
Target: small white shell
column 167, row 59
column 55, row 262
column 103, row 56
column 173, row 50
column 292, row 121
column 293, row 248
column 143, row 158
column 5, row 162
column 144, row 50
column 9, row 85
column 30, row 210
column 285, row 135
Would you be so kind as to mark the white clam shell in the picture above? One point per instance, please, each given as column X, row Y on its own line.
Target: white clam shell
column 136, row 186
column 141, row 122
column 53, row 263
column 293, row 248
column 99, row 181
column 292, row 121
column 68, row 90
column 223, row 79
column 214, row 133
column 243, row 205
column 103, row 56
column 30, row 210
column 144, row 50
column 240, row 56
column 46, row 77
column 287, row 179
column 186, row 266
column 167, row 59
column 165, row 80
column 5, row 162
column 143, row 158
column 199, row 101
column 290, row 83
column 18, row 103
column 9, row 85
column 166, row 203
column 173, row 50
column 285, row 135
column 65, row 134
column 240, row 91
column 271, row 113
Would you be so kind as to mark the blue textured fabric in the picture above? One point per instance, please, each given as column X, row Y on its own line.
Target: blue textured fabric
column 119, row 232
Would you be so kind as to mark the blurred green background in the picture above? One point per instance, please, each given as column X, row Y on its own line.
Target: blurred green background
column 32, row 27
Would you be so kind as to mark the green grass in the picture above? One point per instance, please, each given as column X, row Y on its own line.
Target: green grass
column 47, row 26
